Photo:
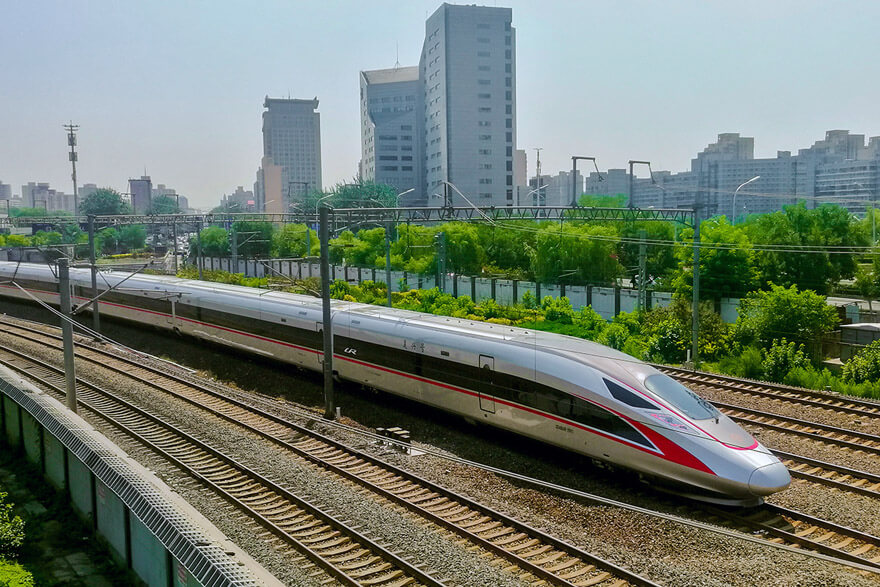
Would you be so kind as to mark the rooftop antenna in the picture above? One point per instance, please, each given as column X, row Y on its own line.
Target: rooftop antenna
column 396, row 54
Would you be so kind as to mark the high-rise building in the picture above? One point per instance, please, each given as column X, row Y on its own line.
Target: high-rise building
column 40, row 195
column 391, row 127
column 5, row 191
column 141, row 191
column 292, row 140
column 468, row 74
column 840, row 169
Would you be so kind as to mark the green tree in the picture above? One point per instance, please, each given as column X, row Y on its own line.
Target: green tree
column 11, row 530
column 414, row 249
column 44, row 238
column 366, row 249
column 254, row 238
column 802, row 317
column 27, row 212
column 215, row 242
column 355, row 194
column 577, row 254
column 509, row 248
column 595, row 201
column 290, row 241
column 660, row 259
column 105, row 201
column 725, row 261
column 464, row 252
column 864, row 366
column 796, row 229
column 132, row 237
column 164, row 205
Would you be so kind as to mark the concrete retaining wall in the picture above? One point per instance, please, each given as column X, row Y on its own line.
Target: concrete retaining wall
column 606, row 301
column 129, row 507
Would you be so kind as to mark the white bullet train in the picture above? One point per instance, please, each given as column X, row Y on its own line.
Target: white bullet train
column 565, row 391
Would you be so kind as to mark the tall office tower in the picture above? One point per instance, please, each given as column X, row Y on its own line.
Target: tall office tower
column 141, row 191
column 468, row 73
column 292, row 140
column 391, row 124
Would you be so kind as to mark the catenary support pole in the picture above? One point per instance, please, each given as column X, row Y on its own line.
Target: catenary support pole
column 329, row 407
column 234, row 268
column 388, row 260
column 199, row 260
column 695, row 323
column 174, row 244
column 67, row 332
column 643, row 278
column 96, row 314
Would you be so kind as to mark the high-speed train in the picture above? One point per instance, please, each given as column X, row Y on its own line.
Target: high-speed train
column 565, row 391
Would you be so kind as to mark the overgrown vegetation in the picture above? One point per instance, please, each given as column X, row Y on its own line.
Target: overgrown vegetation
column 12, row 536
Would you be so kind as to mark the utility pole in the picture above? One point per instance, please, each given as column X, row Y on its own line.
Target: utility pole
column 695, row 323
column 234, row 250
column 174, row 239
column 96, row 316
column 67, row 333
column 538, row 173
column 440, row 240
column 329, row 408
column 388, row 260
column 199, row 249
column 643, row 278
column 71, row 141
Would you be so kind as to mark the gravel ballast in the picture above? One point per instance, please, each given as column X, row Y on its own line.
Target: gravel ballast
column 664, row 551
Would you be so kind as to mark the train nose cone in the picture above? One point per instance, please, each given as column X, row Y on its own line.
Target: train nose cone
column 769, row 479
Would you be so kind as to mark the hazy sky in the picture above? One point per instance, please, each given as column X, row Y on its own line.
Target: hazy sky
column 177, row 87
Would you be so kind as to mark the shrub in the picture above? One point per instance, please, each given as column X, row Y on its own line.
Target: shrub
column 557, row 309
column 14, row 575
column 749, row 363
column 668, row 343
column 864, row 366
column 781, row 358
column 614, row 335
column 11, row 529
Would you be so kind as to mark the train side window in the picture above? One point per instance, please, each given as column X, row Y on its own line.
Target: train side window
column 600, row 419
column 626, row 396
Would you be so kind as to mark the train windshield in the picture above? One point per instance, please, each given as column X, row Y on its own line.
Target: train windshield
column 681, row 397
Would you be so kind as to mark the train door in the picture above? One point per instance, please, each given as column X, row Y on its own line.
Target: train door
column 487, row 368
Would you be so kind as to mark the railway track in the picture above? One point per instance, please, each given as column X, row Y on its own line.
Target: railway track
column 535, row 554
column 336, row 548
column 780, row 524
column 830, row 474
column 797, row 395
column 770, row 522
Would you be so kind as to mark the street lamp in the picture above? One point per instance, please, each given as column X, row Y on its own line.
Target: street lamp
column 733, row 204
column 397, row 197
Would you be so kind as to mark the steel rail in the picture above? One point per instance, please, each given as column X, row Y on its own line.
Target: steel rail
column 731, row 410
column 799, row 537
column 419, row 506
column 848, row 473
column 811, row 397
column 100, row 396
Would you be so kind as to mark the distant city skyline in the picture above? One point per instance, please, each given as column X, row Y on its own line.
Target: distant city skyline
column 176, row 89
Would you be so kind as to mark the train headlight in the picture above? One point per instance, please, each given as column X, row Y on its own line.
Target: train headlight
column 671, row 421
